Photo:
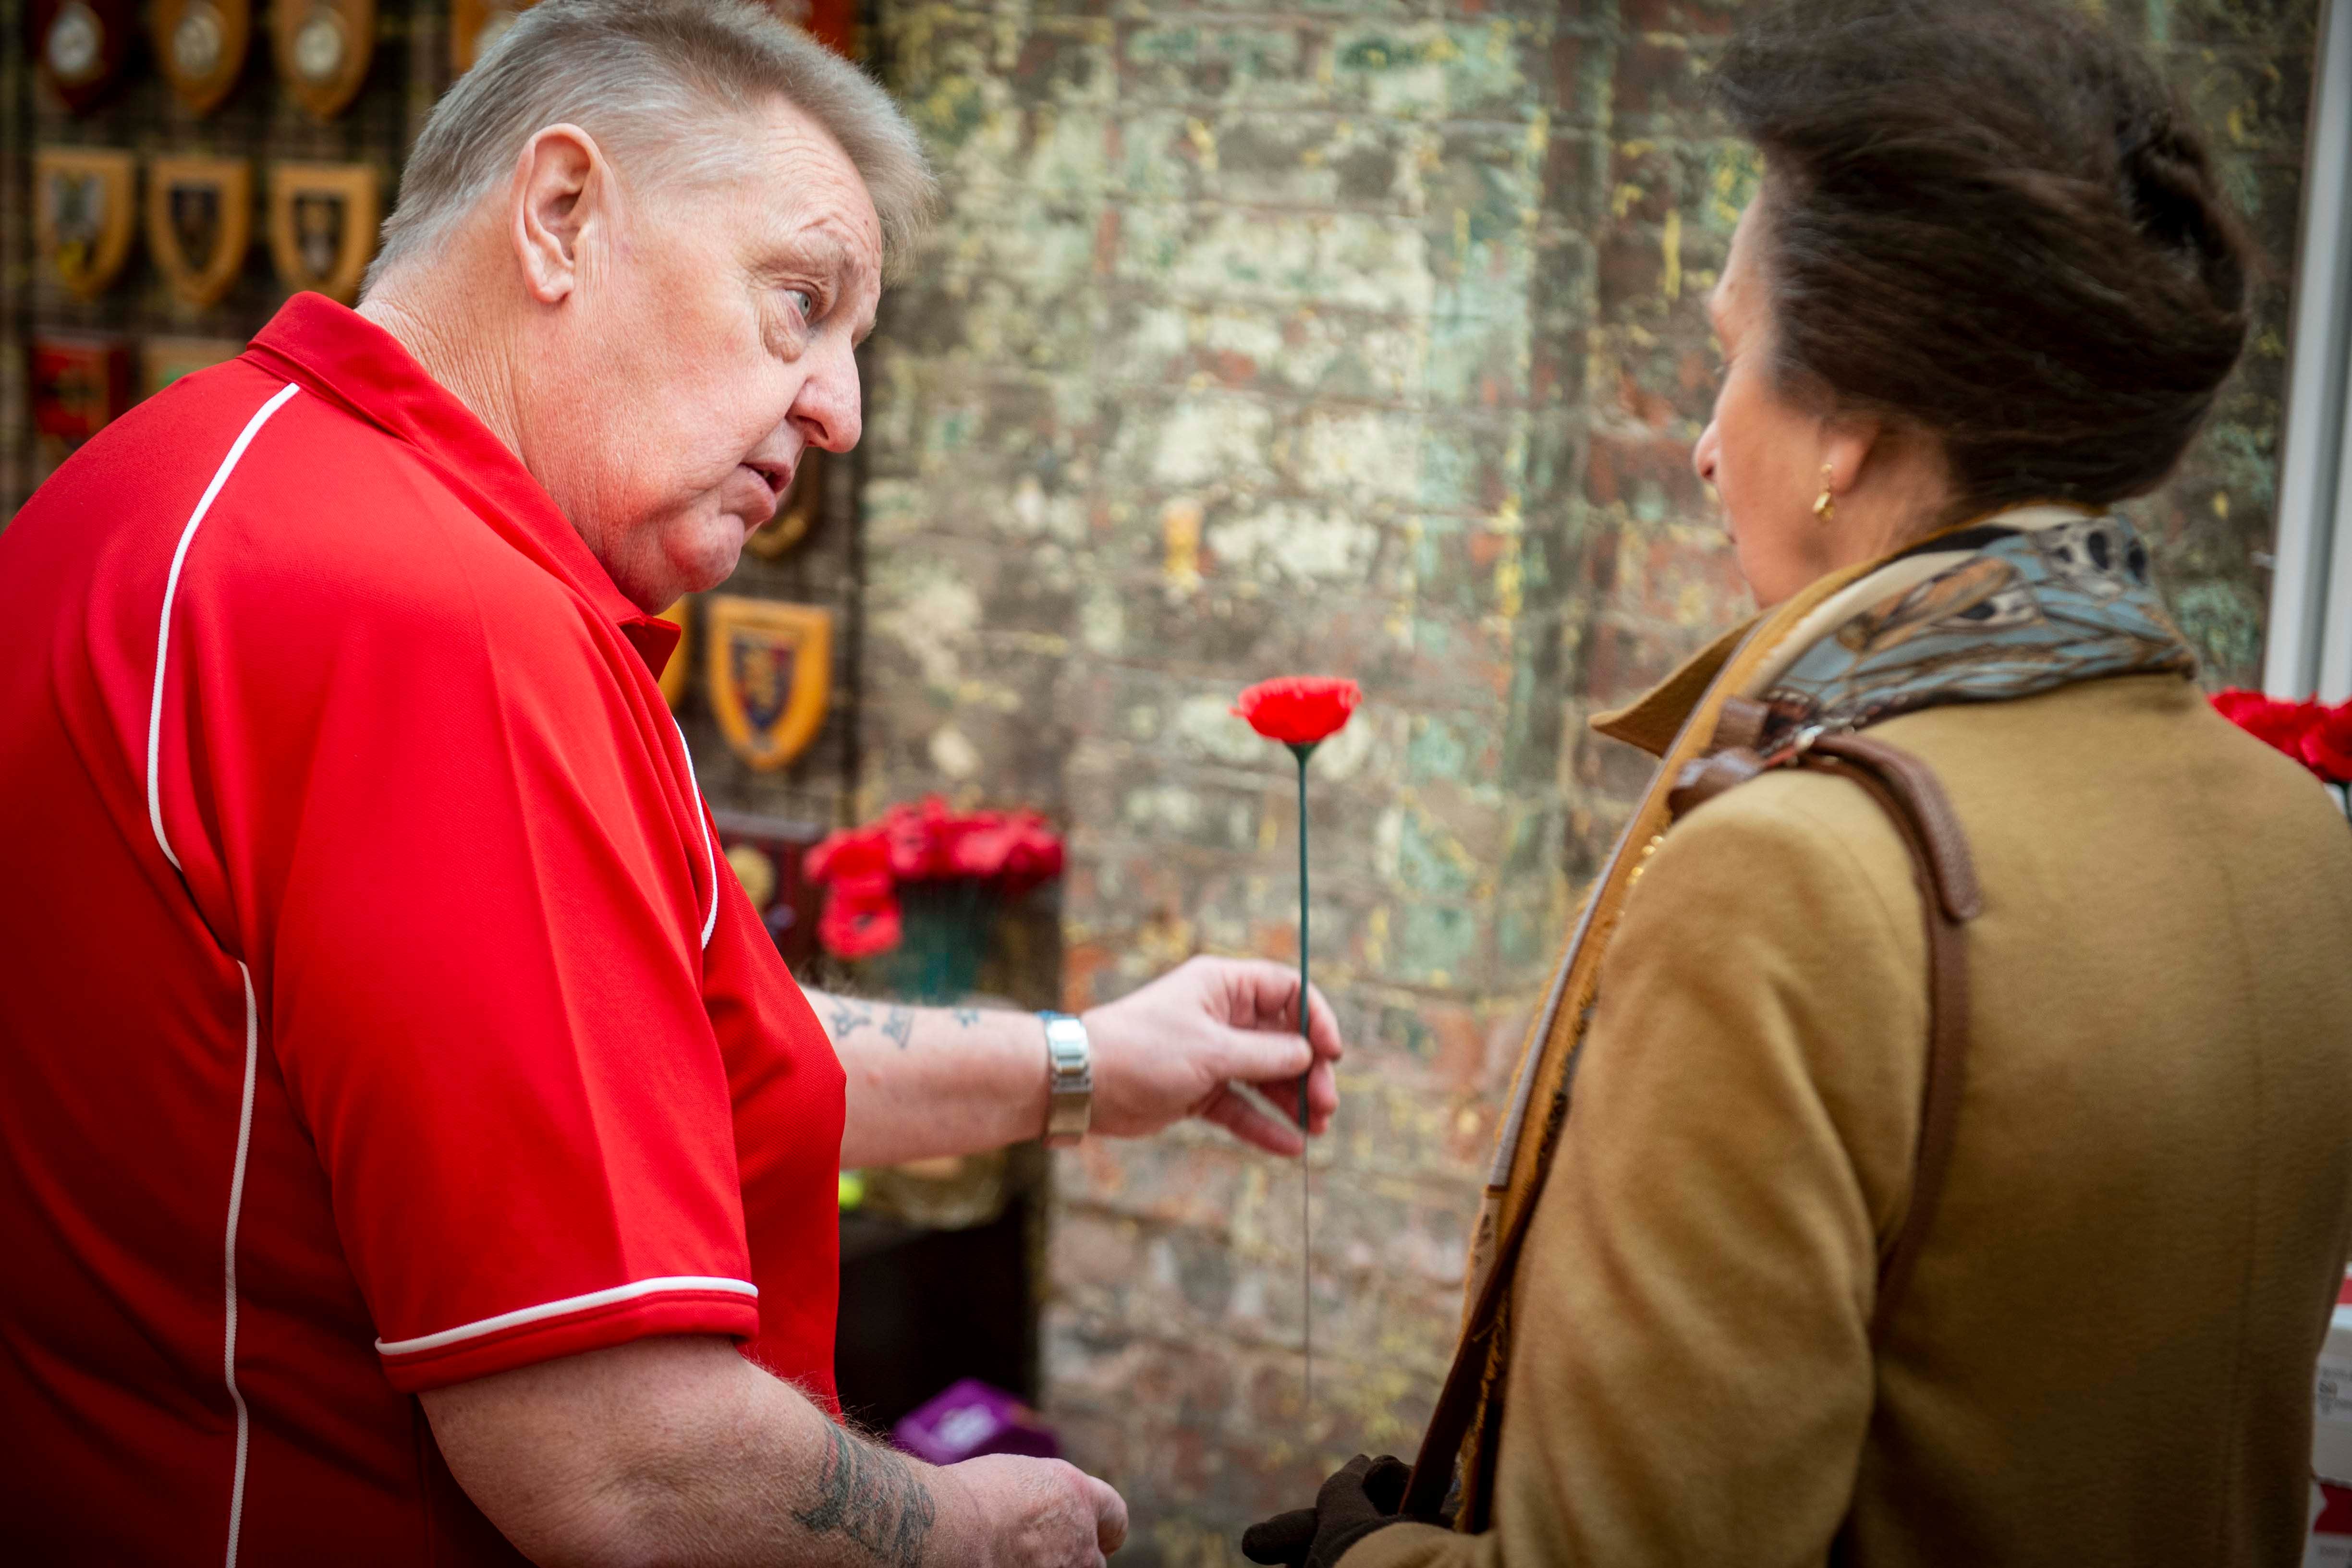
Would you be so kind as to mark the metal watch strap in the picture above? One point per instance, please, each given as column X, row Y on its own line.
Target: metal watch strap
column 1069, row 1080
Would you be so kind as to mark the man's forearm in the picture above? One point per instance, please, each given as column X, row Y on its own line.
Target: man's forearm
column 925, row 1081
column 681, row 1451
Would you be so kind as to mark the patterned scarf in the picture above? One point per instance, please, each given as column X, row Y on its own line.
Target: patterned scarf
column 2025, row 602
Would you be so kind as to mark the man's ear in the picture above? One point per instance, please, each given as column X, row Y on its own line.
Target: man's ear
column 562, row 185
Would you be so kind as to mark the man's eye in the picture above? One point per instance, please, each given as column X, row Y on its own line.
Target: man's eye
column 803, row 301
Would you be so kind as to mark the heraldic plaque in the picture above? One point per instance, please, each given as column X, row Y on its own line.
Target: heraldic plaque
column 200, row 223
column 84, row 213
column 79, row 384
column 323, row 225
column 162, row 360
column 768, row 673
column 323, row 47
column 201, row 46
column 475, row 25
column 675, row 673
column 797, row 512
column 80, row 45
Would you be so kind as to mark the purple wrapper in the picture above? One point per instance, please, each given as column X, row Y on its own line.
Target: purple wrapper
column 971, row 1419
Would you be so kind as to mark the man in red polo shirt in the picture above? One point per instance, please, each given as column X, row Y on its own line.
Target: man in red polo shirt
column 411, row 1148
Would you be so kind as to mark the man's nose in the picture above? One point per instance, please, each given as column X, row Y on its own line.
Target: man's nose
column 1702, row 454
column 829, row 409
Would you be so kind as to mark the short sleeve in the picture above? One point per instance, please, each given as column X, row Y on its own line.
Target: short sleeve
column 471, row 877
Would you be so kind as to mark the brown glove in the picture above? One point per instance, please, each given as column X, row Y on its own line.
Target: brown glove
column 1361, row 1497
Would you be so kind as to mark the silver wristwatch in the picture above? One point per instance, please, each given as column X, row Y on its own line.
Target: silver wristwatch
column 1069, row 1081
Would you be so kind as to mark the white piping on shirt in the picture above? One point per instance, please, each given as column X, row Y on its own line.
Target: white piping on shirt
column 252, row 1007
column 710, row 921
column 171, row 589
column 228, row 1264
column 546, row 1310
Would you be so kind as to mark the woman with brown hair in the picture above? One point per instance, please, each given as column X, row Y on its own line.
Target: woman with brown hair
column 1958, row 1164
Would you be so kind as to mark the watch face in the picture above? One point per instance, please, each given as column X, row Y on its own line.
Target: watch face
column 319, row 48
column 76, row 44
column 197, row 42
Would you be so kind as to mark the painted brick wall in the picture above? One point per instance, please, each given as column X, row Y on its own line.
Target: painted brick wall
column 1366, row 338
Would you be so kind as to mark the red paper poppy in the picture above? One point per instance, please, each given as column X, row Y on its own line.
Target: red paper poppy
column 1299, row 710
column 861, row 915
column 2327, row 745
column 849, row 855
column 921, row 840
column 854, row 927
column 2269, row 720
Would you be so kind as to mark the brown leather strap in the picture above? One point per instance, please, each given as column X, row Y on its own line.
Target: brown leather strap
column 1458, row 1402
column 1907, row 790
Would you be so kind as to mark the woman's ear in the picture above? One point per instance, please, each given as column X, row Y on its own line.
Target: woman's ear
column 1848, row 443
column 561, row 185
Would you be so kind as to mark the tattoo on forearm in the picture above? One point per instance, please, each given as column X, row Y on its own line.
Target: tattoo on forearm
column 966, row 1016
column 848, row 1017
column 899, row 1025
column 873, row 1498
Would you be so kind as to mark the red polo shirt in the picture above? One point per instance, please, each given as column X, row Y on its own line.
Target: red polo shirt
column 377, row 1012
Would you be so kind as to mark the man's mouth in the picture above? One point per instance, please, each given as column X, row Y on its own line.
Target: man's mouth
column 774, row 479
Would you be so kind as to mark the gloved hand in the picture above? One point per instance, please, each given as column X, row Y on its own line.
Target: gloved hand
column 1361, row 1496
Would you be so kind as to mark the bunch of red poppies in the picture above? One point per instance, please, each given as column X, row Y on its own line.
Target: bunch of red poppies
column 922, row 841
column 2318, row 736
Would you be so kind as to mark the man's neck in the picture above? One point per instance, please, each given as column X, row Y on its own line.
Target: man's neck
column 458, row 348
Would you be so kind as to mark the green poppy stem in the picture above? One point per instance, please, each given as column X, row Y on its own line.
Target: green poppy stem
column 1305, row 1185
column 1303, row 751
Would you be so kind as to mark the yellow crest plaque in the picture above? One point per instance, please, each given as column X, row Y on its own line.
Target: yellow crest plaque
column 85, row 211
column 769, row 671
column 797, row 512
column 200, row 223
column 323, row 47
column 323, row 225
column 162, row 360
column 201, row 46
column 475, row 25
column 674, row 675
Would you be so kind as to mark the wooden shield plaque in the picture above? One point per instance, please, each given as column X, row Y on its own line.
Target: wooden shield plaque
column 475, row 25
column 200, row 45
column 78, row 384
column 768, row 673
column 797, row 512
column 833, row 23
column 162, row 360
column 200, row 223
column 323, row 225
column 79, row 46
column 674, row 674
column 323, row 47
column 85, row 209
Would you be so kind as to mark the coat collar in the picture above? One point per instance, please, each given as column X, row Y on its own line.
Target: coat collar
column 1652, row 720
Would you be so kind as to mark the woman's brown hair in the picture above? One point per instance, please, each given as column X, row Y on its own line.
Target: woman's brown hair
column 1992, row 221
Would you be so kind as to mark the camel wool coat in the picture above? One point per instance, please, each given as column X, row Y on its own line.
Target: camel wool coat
column 2107, row 1354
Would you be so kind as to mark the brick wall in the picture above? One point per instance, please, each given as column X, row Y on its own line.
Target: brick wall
column 1362, row 339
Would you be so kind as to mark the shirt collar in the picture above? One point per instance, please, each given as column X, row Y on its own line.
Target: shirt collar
column 347, row 359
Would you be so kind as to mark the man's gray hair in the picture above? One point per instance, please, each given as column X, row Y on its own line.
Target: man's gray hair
column 644, row 77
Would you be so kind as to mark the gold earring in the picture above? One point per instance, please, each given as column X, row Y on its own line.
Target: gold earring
column 1824, row 505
